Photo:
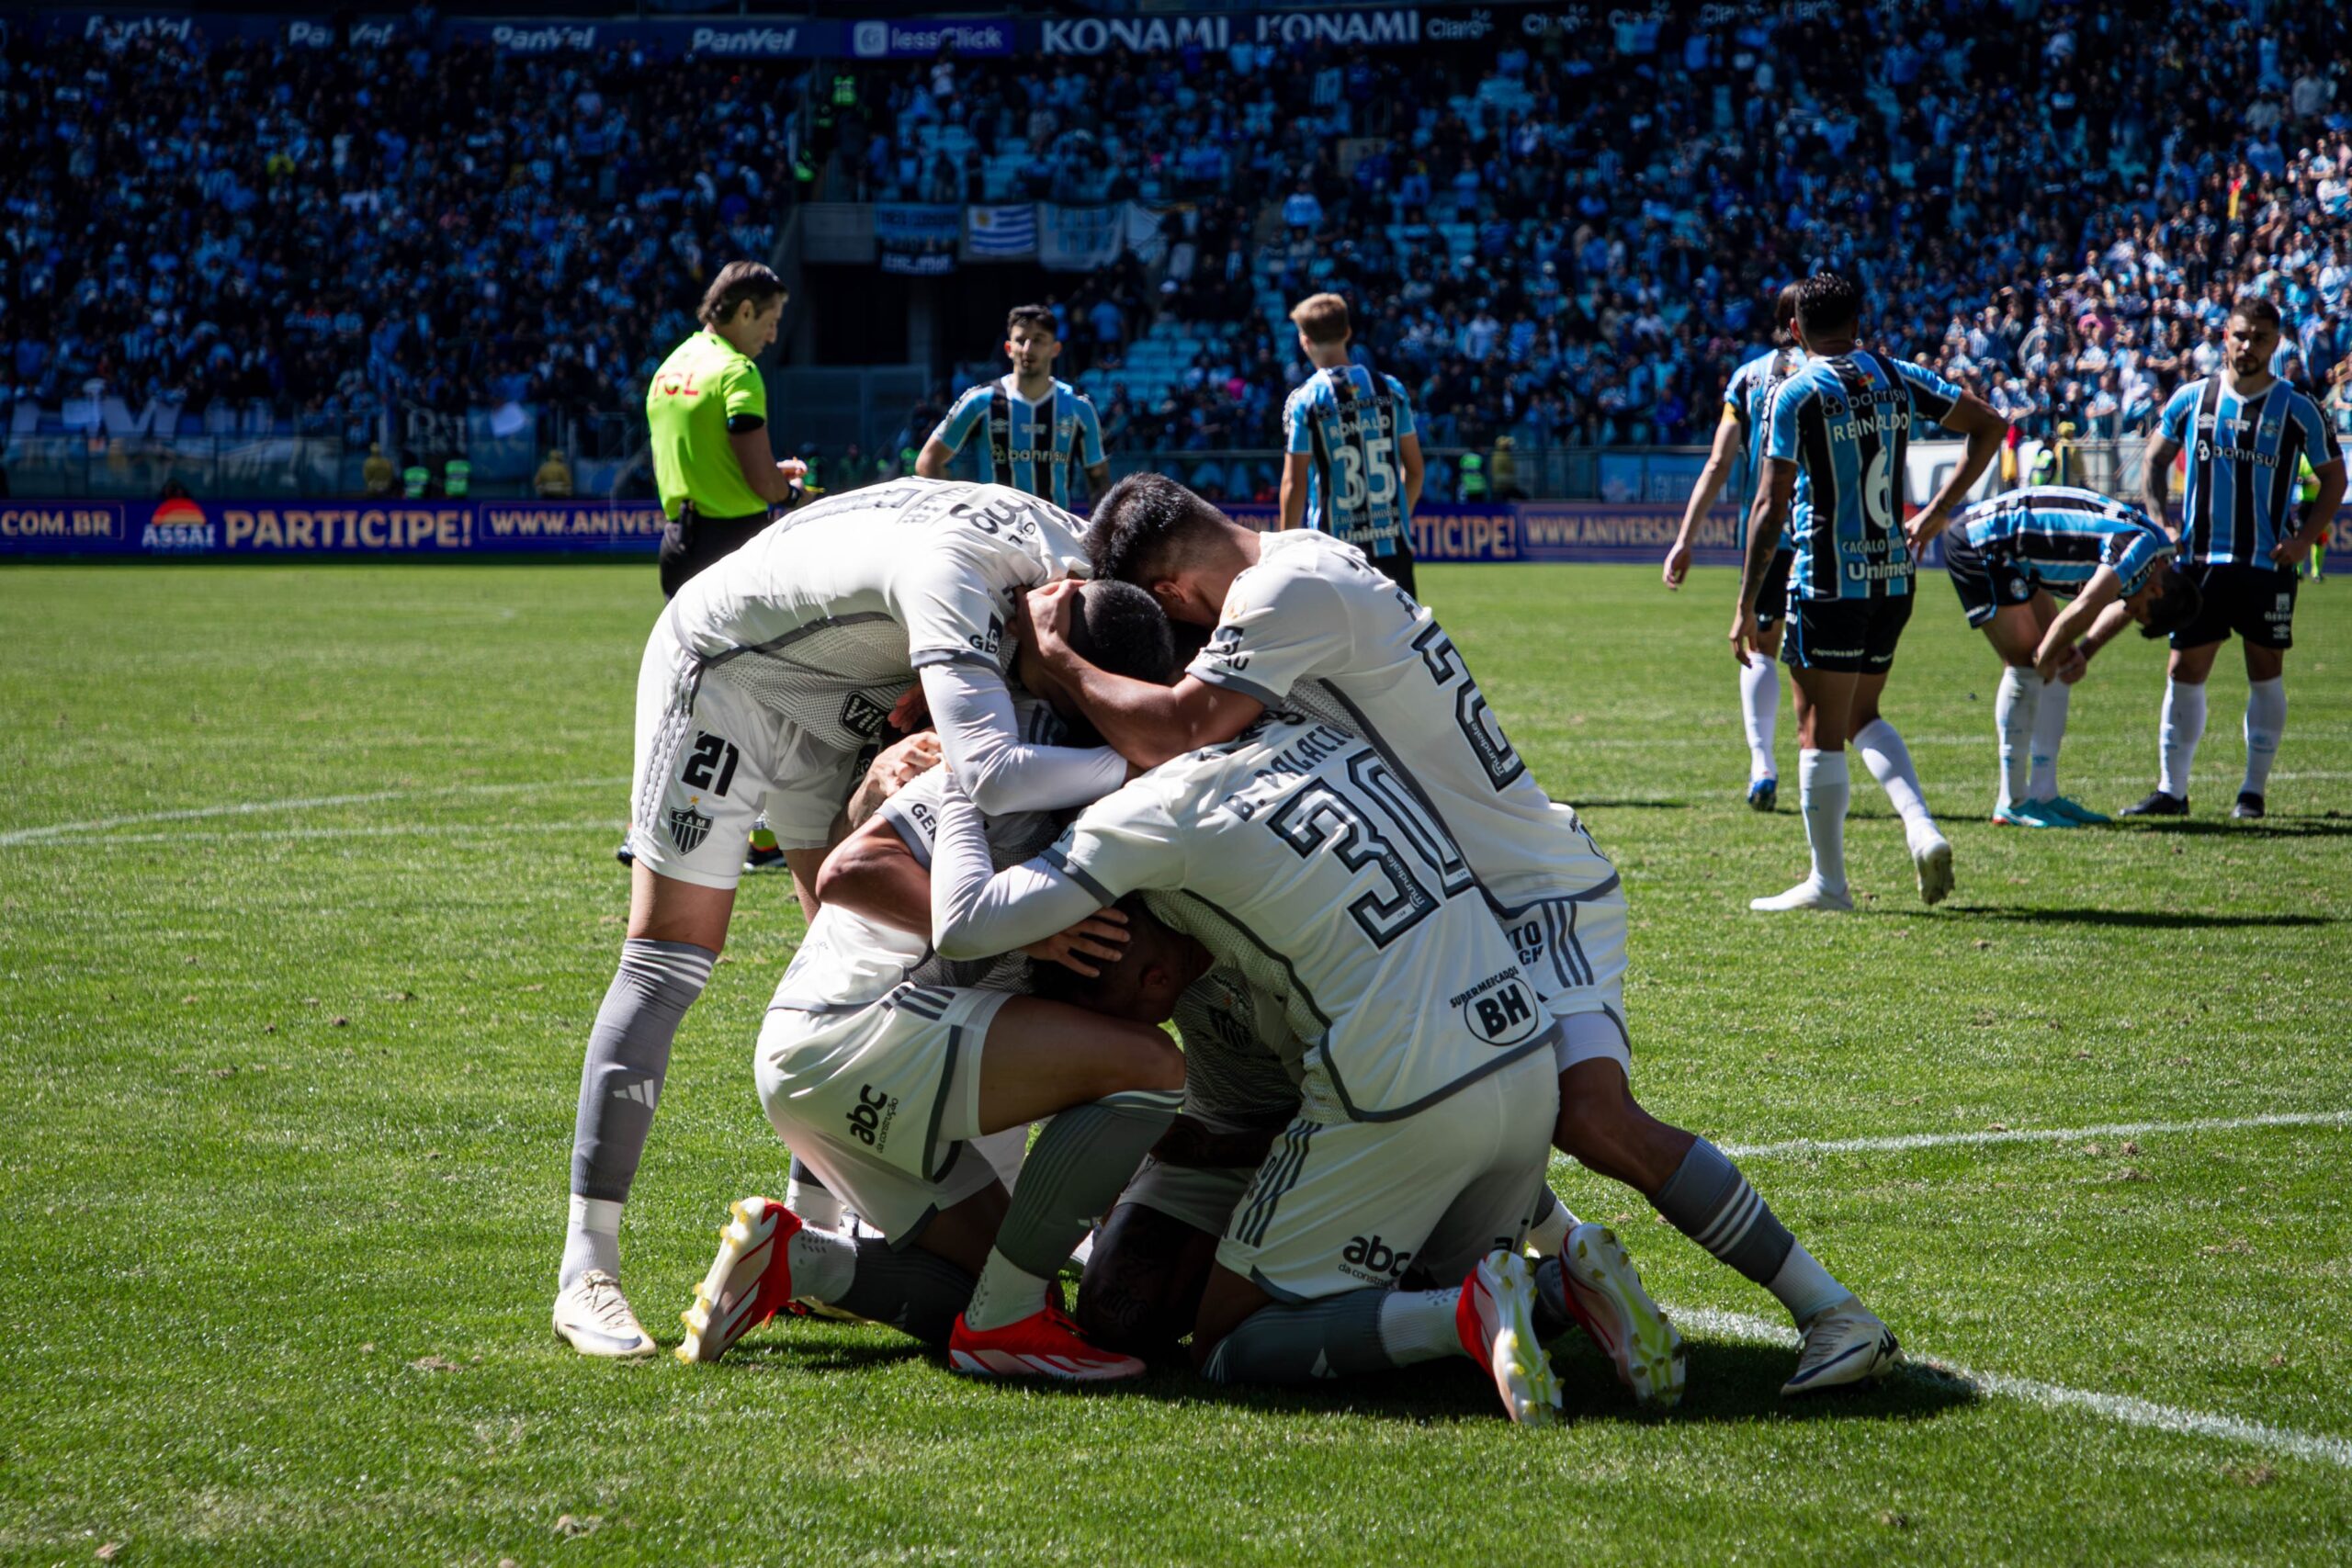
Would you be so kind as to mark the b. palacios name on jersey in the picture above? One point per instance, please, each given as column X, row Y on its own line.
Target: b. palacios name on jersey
column 1294, row 762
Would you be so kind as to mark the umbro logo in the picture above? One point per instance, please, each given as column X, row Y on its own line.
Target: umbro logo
column 641, row 1092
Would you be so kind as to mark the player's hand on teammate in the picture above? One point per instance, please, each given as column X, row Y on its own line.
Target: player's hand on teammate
column 1046, row 615
column 1918, row 530
column 1102, row 937
column 1678, row 563
column 895, row 767
column 1744, row 636
column 2067, row 664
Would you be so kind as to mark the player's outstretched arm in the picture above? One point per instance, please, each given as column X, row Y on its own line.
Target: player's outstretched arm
column 1143, row 723
column 1986, row 428
column 1720, row 457
column 981, row 740
column 978, row 911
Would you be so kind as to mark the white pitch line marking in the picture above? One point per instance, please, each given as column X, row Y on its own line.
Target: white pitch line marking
column 2123, row 1409
column 377, row 830
column 2030, row 1134
column 258, row 808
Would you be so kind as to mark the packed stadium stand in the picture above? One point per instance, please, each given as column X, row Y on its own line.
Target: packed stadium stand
column 1565, row 237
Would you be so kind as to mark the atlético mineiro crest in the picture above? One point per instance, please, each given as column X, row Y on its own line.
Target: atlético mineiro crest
column 688, row 827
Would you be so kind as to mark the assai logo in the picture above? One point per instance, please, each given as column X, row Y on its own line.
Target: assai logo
column 863, row 716
column 179, row 526
column 988, row 642
column 1370, row 1259
column 870, row 1119
column 1501, row 1010
column 688, row 829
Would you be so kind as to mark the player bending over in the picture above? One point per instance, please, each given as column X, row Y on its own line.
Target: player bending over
column 1832, row 476
column 1303, row 622
column 2006, row 556
column 1747, row 398
column 2244, row 431
column 1427, row 1094
column 760, row 684
column 884, row 1066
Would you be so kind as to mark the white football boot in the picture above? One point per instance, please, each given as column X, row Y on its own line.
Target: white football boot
column 1496, row 1319
column 1931, row 859
column 592, row 1316
column 1606, row 1296
column 1844, row 1345
column 749, row 1282
column 1806, row 895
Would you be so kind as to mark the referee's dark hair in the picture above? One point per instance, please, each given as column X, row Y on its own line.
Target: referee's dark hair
column 1143, row 525
column 2176, row 604
column 1121, row 629
column 737, row 282
column 1826, row 301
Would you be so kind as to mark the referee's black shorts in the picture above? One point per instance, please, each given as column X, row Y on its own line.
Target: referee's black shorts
column 692, row 542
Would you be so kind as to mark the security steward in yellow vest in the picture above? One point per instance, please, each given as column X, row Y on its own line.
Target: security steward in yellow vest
column 707, row 411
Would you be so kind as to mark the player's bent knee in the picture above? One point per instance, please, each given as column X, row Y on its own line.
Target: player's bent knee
column 1144, row 1058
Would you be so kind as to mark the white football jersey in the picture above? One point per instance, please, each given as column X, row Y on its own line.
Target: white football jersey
column 1312, row 626
column 826, row 614
column 848, row 962
column 1295, row 854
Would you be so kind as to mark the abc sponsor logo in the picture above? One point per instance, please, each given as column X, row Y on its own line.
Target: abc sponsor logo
column 1372, row 1260
column 869, row 1122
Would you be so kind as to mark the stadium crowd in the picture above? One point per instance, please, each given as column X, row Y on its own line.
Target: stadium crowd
column 1564, row 240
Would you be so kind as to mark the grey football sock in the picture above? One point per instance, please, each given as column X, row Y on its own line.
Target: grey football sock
column 628, row 1054
column 1304, row 1342
column 915, row 1291
column 1707, row 1200
column 1080, row 1163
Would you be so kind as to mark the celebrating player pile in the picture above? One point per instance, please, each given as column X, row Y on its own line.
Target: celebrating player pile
column 1398, row 966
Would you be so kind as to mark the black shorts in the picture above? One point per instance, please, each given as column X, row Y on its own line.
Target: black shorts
column 1853, row 637
column 1985, row 583
column 1772, row 599
column 691, row 542
column 2255, row 601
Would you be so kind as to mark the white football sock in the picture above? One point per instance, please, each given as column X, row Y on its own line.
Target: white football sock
column 818, row 1206
column 2049, row 733
column 592, row 1241
column 823, row 1265
column 1804, row 1287
column 2184, row 726
column 2014, row 707
column 1889, row 761
column 1006, row 1293
column 1549, row 1233
column 1822, row 787
column 2265, row 720
column 1418, row 1325
column 1759, row 708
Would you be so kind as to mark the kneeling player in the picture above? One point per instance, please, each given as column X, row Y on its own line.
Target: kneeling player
column 1427, row 1097
column 2006, row 556
column 880, row 1063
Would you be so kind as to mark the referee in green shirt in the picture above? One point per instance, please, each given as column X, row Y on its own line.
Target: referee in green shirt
column 707, row 410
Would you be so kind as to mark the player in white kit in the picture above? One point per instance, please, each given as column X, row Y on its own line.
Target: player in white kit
column 1302, row 621
column 761, row 683
column 1292, row 854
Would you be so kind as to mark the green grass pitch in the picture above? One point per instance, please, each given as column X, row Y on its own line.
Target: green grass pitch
column 307, row 898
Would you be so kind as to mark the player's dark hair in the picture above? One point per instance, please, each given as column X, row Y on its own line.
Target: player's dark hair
column 2259, row 310
column 1121, row 628
column 736, row 282
column 1143, row 525
column 1784, row 315
column 1037, row 316
column 1826, row 301
column 1056, row 983
column 2176, row 604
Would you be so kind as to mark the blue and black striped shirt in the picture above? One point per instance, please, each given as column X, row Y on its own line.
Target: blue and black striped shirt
column 1845, row 421
column 2064, row 535
column 1748, row 400
column 2240, row 454
column 1030, row 447
column 1348, row 422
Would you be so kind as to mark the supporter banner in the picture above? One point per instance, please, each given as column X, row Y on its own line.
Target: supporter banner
column 251, row 529
column 1080, row 239
column 916, row 239
column 1001, row 233
column 1542, row 531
